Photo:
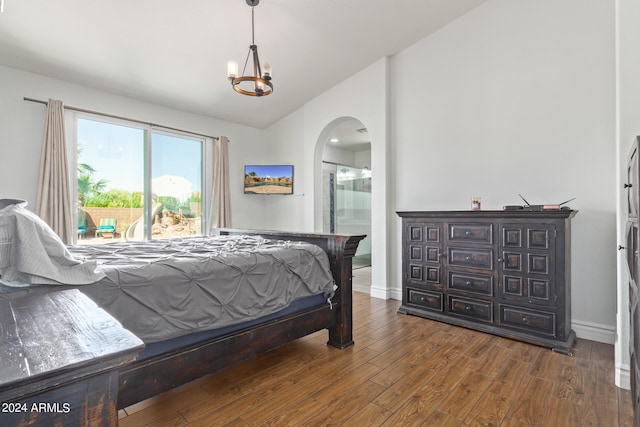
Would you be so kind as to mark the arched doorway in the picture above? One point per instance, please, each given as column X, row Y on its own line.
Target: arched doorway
column 346, row 176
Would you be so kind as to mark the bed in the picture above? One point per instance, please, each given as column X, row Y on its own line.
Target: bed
column 191, row 345
column 190, row 362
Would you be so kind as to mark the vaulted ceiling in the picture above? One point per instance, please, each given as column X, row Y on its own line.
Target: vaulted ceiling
column 174, row 53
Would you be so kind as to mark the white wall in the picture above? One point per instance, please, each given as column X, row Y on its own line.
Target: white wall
column 338, row 156
column 362, row 159
column 517, row 97
column 283, row 143
column 22, row 124
column 514, row 97
column 628, row 127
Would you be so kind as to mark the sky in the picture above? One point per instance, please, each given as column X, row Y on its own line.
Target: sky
column 271, row 171
column 116, row 154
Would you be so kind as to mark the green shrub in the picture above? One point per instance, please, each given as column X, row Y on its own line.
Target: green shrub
column 115, row 199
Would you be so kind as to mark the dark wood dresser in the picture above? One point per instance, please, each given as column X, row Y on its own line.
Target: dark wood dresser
column 503, row 272
column 632, row 246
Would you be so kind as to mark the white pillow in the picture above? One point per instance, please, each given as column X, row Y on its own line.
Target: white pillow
column 31, row 252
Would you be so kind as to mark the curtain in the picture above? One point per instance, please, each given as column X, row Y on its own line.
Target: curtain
column 53, row 192
column 221, row 195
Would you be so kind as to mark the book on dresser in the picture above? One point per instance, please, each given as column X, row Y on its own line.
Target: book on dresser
column 506, row 273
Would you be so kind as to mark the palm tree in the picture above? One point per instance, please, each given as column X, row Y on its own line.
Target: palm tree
column 87, row 187
column 85, row 169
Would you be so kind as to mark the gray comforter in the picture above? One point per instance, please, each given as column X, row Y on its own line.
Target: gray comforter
column 166, row 288
column 162, row 289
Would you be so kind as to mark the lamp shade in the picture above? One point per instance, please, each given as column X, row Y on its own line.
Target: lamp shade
column 232, row 69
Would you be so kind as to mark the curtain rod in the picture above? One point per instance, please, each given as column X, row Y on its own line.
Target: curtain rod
column 112, row 116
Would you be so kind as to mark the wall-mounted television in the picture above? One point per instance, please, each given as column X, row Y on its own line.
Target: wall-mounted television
column 268, row 179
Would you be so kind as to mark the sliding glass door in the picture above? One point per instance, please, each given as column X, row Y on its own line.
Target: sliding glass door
column 176, row 186
column 136, row 183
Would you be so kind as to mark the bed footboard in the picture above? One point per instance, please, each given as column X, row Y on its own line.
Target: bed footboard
column 340, row 248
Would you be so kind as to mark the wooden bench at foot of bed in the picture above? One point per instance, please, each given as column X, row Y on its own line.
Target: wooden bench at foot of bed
column 59, row 361
column 149, row 377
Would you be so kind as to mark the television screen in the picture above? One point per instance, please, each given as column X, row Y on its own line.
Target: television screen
column 268, row 179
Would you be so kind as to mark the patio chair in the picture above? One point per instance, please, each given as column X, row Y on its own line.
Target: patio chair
column 107, row 225
column 82, row 227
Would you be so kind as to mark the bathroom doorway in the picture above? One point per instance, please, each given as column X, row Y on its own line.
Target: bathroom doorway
column 347, row 190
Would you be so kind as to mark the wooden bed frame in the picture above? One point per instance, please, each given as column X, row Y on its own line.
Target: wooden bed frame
column 149, row 377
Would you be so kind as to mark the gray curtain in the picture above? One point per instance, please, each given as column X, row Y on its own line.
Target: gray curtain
column 53, row 203
column 221, row 195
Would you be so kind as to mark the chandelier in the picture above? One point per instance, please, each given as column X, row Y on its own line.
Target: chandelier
column 258, row 84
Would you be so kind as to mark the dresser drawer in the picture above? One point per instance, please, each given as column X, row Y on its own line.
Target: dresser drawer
column 473, row 258
column 430, row 300
column 471, row 282
column 529, row 320
column 471, row 308
column 479, row 233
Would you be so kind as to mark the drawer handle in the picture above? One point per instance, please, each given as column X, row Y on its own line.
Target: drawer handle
column 468, row 308
column 525, row 320
column 468, row 283
column 468, row 258
column 467, row 233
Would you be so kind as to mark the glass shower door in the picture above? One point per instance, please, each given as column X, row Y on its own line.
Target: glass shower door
column 348, row 206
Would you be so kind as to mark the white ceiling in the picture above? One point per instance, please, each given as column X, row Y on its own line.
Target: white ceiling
column 174, row 53
column 350, row 135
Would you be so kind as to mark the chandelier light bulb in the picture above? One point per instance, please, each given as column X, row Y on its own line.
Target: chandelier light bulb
column 232, row 69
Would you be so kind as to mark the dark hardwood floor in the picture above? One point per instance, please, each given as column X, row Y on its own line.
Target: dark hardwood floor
column 402, row 371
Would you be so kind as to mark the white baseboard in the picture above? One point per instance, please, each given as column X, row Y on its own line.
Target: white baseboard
column 623, row 377
column 380, row 293
column 395, row 294
column 594, row 331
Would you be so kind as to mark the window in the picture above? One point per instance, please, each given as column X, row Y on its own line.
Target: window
column 137, row 182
